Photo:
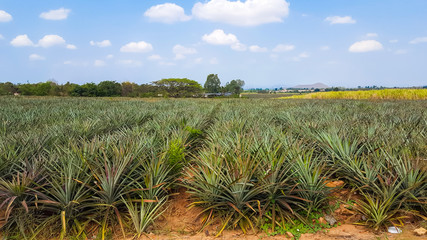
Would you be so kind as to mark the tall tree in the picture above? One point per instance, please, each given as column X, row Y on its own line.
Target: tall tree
column 212, row 84
column 235, row 86
column 109, row 89
column 178, row 87
column 7, row 88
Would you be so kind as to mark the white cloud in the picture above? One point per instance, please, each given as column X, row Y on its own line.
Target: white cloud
column 246, row 13
column 154, row 57
column 51, row 40
column 419, row 40
column 68, row 62
column 22, row 41
column 110, row 56
column 130, row 63
column 393, row 41
column 301, row 56
column 325, row 48
column 257, row 49
column 137, row 47
column 71, row 47
column 46, row 41
column 104, row 43
column 5, row 17
column 365, row 46
column 1, row 37
column 166, row 13
column 181, row 51
column 58, row 14
column 36, row 57
column 218, row 37
column 99, row 63
column 372, row 35
column 340, row 20
column 239, row 47
column 283, row 48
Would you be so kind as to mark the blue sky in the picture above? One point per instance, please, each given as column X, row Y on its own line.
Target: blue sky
column 266, row 43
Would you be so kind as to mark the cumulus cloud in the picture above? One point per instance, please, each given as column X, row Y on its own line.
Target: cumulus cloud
column 246, row 13
column 181, row 51
column 340, row 20
column 46, row 42
column 22, row 41
column 257, row 49
column 218, row 37
column 283, row 48
column 58, row 14
column 104, row 43
column 5, row 17
column 419, row 40
column 99, row 63
column 71, row 47
column 51, row 40
column 36, row 57
column 1, row 37
column 137, row 47
column 166, row 13
column 110, row 56
column 365, row 46
column 372, row 35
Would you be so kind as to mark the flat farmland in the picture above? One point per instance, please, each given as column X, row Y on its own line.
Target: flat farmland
column 77, row 168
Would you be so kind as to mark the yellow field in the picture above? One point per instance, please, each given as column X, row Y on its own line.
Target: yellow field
column 391, row 94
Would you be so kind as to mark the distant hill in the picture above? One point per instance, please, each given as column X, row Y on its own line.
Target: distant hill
column 316, row 85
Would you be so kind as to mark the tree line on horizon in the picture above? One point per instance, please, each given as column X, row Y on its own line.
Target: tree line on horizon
column 170, row 87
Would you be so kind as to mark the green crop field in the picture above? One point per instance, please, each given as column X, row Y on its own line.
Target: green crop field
column 72, row 168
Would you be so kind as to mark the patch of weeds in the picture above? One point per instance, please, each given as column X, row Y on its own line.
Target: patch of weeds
column 350, row 203
column 334, row 207
column 297, row 227
column 194, row 132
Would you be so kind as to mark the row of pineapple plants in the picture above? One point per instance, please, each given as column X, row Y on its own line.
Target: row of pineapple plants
column 78, row 168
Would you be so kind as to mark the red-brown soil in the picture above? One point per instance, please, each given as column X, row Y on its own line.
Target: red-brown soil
column 179, row 222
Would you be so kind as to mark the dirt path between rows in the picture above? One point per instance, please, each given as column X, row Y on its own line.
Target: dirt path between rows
column 179, row 222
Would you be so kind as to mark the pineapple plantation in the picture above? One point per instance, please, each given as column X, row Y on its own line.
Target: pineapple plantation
column 108, row 168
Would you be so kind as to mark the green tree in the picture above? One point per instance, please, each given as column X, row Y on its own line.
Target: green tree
column 235, row 86
column 212, row 84
column 85, row 90
column 178, row 87
column 7, row 88
column 38, row 89
column 109, row 89
column 67, row 89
